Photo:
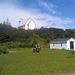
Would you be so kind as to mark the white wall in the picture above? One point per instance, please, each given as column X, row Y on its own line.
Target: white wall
column 68, row 43
column 23, row 27
column 31, row 25
column 57, row 45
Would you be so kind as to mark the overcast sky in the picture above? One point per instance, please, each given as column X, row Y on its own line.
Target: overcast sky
column 45, row 13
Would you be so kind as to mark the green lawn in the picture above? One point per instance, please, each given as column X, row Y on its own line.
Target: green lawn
column 25, row 62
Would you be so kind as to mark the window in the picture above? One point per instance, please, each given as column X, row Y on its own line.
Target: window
column 61, row 44
column 53, row 44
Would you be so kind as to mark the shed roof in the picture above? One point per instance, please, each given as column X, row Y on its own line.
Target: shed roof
column 60, row 39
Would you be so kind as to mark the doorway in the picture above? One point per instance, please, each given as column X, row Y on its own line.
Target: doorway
column 71, row 44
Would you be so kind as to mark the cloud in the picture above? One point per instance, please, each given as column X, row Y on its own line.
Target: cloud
column 49, row 6
column 14, row 12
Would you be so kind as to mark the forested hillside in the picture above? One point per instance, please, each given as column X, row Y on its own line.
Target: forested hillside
column 13, row 37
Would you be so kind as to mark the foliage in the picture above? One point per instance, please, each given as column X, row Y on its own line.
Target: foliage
column 36, row 48
column 25, row 62
column 28, row 38
column 3, row 50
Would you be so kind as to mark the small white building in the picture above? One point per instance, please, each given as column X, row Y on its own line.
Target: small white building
column 67, row 44
column 27, row 24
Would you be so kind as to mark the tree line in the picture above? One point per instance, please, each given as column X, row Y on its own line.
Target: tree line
column 14, row 37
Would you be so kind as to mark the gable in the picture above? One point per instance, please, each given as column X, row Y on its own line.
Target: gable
column 72, row 39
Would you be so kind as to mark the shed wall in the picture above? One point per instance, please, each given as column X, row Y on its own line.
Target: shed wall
column 58, row 45
column 68, row 43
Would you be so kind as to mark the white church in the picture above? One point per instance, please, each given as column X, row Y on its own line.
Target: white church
column 27, row 24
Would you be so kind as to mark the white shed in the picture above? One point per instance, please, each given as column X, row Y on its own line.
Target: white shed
column 67, row 44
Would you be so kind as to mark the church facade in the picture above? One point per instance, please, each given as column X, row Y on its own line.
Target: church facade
column 27, row 24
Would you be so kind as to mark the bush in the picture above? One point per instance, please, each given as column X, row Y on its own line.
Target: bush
column 18, row 45
column 3, row 50
column 0, row 51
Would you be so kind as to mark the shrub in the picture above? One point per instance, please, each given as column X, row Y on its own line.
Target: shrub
column 0, row 50
column 3, row 50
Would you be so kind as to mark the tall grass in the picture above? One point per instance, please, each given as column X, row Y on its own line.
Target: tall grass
column 25, row 62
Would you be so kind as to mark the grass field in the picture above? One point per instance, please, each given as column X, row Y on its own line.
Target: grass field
column 25, row 62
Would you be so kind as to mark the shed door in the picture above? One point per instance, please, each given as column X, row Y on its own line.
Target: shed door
column 71, row 44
